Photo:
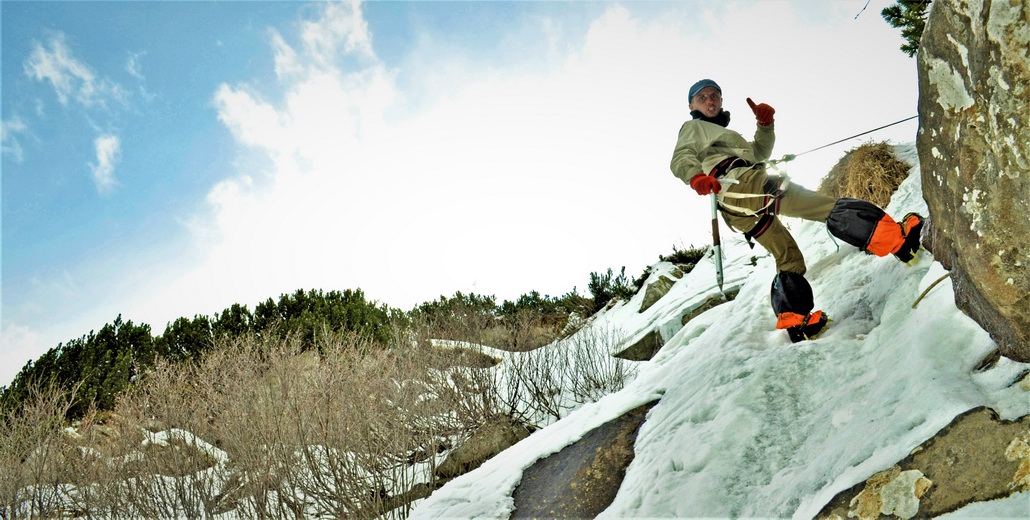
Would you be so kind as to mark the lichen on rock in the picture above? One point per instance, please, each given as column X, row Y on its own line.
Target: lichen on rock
column 900, row 496
column 1019, row 450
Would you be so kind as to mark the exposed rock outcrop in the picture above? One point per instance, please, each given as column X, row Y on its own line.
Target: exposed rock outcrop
column 658, row 288
column 978, row 457
column 581, row 480
column 644, row 345
column 490, row 439
column 974, row 151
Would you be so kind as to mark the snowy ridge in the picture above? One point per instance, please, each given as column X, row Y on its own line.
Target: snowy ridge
column 750, row 425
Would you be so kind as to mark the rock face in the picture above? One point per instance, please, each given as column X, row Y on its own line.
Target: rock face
column 977, row 458
column 974, row 151
column 581, row 480
column 655, row 290
column 492, row 438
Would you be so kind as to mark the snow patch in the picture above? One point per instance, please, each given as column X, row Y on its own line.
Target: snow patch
column 751, row 425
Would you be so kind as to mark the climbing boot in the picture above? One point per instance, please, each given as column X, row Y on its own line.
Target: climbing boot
column 911, row 226
column 810, row 327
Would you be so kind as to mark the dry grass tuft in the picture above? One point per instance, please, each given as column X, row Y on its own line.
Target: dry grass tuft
column 871, row 172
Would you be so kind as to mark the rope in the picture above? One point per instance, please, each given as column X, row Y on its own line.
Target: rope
column 934, row 284
column 863, row 9
column 791, row 157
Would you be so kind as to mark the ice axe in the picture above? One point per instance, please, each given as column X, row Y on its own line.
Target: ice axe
column 715, row 236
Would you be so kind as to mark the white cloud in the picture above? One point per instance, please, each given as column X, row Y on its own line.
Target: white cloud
column 9, row 129
column 482, row 191
column 340, row 30
column 75, row 80
column 21, row 344
column 108, row 150
column 503, row 178
column 71, row 78
column 285, row 57
column 513, row 178
column 133, row 66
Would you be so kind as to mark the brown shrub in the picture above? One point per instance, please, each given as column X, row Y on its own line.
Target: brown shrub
column 262, row 428
column 871, row 172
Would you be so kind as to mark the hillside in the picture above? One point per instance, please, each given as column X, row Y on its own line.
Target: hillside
column 903, row 407
column 748, row 424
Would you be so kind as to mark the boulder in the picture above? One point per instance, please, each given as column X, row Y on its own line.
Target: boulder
column 491, row 438
column 643, row 348
column 658, row 288
column 974, row 152
column 582, row 479
column 977, row 458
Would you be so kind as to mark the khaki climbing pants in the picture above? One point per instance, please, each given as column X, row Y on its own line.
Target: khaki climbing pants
column 796, row 201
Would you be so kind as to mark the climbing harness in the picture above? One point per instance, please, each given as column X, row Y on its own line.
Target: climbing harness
column 773, row 191
column 770, row 209
column 773, row 194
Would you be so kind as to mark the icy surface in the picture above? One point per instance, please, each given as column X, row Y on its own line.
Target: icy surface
column 751, row 425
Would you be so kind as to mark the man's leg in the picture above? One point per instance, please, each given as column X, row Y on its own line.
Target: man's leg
column 791, row 294
column 775, row 239
column 869, row 228
column 856, row 221
column 801, row 202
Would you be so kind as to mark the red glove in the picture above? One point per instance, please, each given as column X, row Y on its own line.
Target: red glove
column 705, row 184
column 763, row 113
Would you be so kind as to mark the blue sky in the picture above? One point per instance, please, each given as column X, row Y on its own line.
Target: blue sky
column 167, row 159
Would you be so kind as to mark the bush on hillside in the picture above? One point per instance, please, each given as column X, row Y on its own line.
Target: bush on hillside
column 312, row 313
column 260, row 427
column 105, row 363
column 871, row 172
column 607, row 287
column 529, row 322
column 91, row 370
column 685, row 257
column 462, row 317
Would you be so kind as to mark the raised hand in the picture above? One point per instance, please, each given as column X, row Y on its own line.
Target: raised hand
column 763, row 113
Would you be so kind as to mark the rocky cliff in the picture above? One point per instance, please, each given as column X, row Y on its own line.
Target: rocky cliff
column 974, row 150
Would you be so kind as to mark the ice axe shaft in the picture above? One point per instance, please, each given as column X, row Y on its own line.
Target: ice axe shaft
column 716, row 242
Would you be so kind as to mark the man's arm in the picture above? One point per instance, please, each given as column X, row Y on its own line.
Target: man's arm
column 765, row 138
column 686, row 158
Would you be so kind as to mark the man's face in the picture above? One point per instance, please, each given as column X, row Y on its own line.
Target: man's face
column 708, row 101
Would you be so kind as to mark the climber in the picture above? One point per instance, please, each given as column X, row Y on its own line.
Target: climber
column 707, row 152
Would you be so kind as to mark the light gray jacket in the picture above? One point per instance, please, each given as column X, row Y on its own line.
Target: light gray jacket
column 703, row 145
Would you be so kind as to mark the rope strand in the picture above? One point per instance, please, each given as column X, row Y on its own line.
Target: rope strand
column 791, row 157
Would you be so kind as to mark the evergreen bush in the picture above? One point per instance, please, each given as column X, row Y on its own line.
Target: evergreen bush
column 910, row 17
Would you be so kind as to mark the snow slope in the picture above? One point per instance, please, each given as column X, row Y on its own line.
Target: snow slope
column 750, row 425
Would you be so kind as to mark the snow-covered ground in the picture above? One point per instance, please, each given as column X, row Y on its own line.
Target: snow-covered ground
column 750, row 425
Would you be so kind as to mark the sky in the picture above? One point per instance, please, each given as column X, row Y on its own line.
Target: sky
column 169, row 159
column 750, row 425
